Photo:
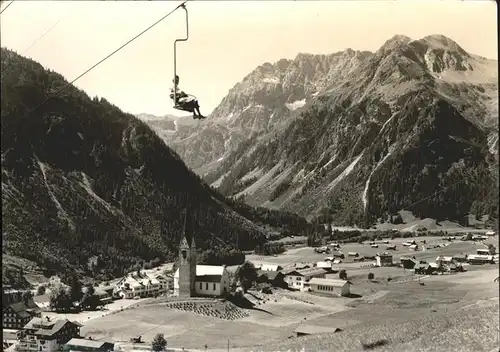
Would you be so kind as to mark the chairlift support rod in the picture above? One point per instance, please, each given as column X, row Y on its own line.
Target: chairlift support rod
column 175, row 52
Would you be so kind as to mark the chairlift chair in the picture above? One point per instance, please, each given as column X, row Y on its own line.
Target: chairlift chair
column 176, row 106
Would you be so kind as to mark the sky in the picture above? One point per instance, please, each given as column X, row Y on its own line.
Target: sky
column 228, row 39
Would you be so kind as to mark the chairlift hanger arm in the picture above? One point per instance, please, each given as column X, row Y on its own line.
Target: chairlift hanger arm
column 183, row 5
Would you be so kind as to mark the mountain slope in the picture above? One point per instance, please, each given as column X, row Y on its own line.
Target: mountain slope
column 80, row 178
column 264, row 101
column 408, row 120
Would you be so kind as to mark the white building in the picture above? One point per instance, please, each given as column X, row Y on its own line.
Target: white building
column 324, row 265
column 134, row 285
column 335, row 287
column 299, row 279
column 211, row 280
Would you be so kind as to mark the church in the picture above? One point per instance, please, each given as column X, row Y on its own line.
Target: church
column 192, row 280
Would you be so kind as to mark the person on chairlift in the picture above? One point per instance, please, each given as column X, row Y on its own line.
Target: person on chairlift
column 184, row 101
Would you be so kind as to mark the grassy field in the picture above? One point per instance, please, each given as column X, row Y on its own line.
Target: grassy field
column 182, row 329
column 470, row 329
column 308, row 255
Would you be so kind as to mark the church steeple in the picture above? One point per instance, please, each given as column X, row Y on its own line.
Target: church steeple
column 187, row 264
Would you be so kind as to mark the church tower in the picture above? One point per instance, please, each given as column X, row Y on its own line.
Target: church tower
column 187, row 265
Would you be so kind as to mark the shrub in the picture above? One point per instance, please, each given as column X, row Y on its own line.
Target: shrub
column 371, row 276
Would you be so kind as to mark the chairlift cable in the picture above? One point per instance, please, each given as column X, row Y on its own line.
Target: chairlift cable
column 47, row 31
column 6, row 7
column 105, row 58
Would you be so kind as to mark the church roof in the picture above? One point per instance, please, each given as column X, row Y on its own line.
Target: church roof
column 209, row 270
column 203, row 270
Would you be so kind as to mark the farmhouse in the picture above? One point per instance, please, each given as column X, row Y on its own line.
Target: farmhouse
column 47, row 336
column 138, row 284
column 334, row 287
column 408, row 263
column 383, row 259
column 275, row 278
column 88, row 345
column 298, row 278
column 17, row 315
column 203, row 280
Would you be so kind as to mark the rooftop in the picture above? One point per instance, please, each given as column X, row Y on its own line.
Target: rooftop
column 312, row 271
column 271, row 275
column 86, row 343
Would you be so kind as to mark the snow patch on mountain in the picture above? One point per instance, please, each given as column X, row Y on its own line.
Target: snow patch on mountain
column 272, row 80
column 297, row 104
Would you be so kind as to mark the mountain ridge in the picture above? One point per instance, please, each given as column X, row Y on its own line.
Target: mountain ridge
column 80, row 178
column 324, row 137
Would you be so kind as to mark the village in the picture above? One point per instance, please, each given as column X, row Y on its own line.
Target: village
column 268, row 299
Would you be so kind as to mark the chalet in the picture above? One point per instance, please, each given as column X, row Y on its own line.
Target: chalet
column 324, row 265
column 76, row 344
column 408, row 263
column 302, row 266
column 12, row 336
column 298, row 279
column 334, row 287
column 138, row 284
column 270, row 267
column 47, row 335
column 383, row 259
column 304, row 329
column 424, row 269
column 275, row 278
column 444, row 260
column 17, row 315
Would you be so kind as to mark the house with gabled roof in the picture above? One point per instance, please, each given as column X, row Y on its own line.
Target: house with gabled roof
column 16, row 315
column 298, row 279
column 45, row 335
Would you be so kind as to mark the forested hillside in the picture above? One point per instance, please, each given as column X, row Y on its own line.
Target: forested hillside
column 80, row 178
